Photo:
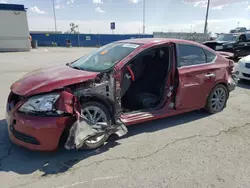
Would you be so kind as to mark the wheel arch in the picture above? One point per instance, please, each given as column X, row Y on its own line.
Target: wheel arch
column 221, row 83
column 207, row 106
column 107, row 103
column 218, row 83
column 84, row 99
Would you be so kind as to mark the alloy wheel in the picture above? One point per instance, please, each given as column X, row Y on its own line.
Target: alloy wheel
column 219, row 98
column 96, row 116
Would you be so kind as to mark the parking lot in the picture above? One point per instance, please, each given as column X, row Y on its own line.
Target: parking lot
column 189, row 150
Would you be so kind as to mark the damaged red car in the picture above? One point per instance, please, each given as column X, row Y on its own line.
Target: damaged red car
column 120, row 84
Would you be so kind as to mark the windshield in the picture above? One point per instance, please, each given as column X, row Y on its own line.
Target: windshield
column 227, row 37
column 105, row 57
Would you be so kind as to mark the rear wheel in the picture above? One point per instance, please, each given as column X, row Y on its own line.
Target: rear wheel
column 96, row 113
column 217, row 99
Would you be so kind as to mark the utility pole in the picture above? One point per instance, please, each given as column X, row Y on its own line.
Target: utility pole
column 78, row 35
column 54, row 14
column 143, row 17
column 208, row 6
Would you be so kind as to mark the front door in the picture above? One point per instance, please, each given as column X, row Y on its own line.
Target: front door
column 197, row 76
column 146, row 114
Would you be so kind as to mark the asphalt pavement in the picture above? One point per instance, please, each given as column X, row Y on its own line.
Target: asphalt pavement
column 186, row 151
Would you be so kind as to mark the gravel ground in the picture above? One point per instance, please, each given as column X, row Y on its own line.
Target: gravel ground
column 186, row 151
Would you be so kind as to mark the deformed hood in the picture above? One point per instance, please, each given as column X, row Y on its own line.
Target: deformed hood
column 49, row 79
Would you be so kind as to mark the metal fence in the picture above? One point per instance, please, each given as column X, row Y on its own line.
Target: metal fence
column 87, row 40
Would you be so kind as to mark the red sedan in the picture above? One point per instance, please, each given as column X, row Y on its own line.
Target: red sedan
column 125, row 82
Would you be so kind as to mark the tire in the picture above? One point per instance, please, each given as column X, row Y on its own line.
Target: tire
column 215, row 101
column 91, row 146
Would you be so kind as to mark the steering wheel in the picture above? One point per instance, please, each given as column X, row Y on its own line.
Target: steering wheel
column 131, row 73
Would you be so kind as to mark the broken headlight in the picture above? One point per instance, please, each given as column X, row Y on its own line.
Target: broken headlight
column 40, row 103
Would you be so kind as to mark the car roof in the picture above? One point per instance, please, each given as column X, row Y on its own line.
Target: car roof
column 149, row 41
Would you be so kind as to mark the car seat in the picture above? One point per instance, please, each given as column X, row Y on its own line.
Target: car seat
column 137, row 66
column 152, row 93
column 147, row 100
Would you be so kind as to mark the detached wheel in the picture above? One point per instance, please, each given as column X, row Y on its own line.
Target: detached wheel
column 97, row 113
column 217, row 99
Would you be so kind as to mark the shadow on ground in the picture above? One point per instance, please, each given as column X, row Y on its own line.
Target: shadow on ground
column 22, row 161
column 244, row 84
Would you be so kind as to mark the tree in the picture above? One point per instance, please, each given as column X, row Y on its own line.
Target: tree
column 73, row 28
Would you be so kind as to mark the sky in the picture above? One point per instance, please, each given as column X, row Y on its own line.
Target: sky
column 94, row 16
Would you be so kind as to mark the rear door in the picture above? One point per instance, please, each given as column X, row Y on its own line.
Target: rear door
column 197, row 76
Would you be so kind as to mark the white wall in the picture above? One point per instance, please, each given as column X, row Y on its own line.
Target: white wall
column 14, row 31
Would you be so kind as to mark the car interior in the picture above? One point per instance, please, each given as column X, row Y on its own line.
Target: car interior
column 144, row 79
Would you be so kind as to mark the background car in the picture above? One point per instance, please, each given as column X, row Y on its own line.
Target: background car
column 126, row 82
column 242, row 68
column 236, row 43
column 238, row 30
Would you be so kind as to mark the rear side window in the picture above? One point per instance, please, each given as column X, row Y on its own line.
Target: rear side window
column 210, row 56
column 191, row 55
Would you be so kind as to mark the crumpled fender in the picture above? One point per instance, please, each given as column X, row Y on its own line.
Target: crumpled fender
column 83, row 129
column 68, row 103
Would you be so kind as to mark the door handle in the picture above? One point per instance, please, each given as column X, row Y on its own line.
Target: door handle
column 210, row 75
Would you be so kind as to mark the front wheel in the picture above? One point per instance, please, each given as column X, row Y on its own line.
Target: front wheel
column 96, row 113
column 217, row 99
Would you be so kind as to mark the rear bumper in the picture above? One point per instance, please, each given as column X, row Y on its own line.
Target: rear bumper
column 232, row 82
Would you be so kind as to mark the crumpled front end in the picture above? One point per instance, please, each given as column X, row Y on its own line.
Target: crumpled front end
column 45, row 120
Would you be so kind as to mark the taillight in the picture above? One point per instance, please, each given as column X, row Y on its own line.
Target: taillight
column 231, row 66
